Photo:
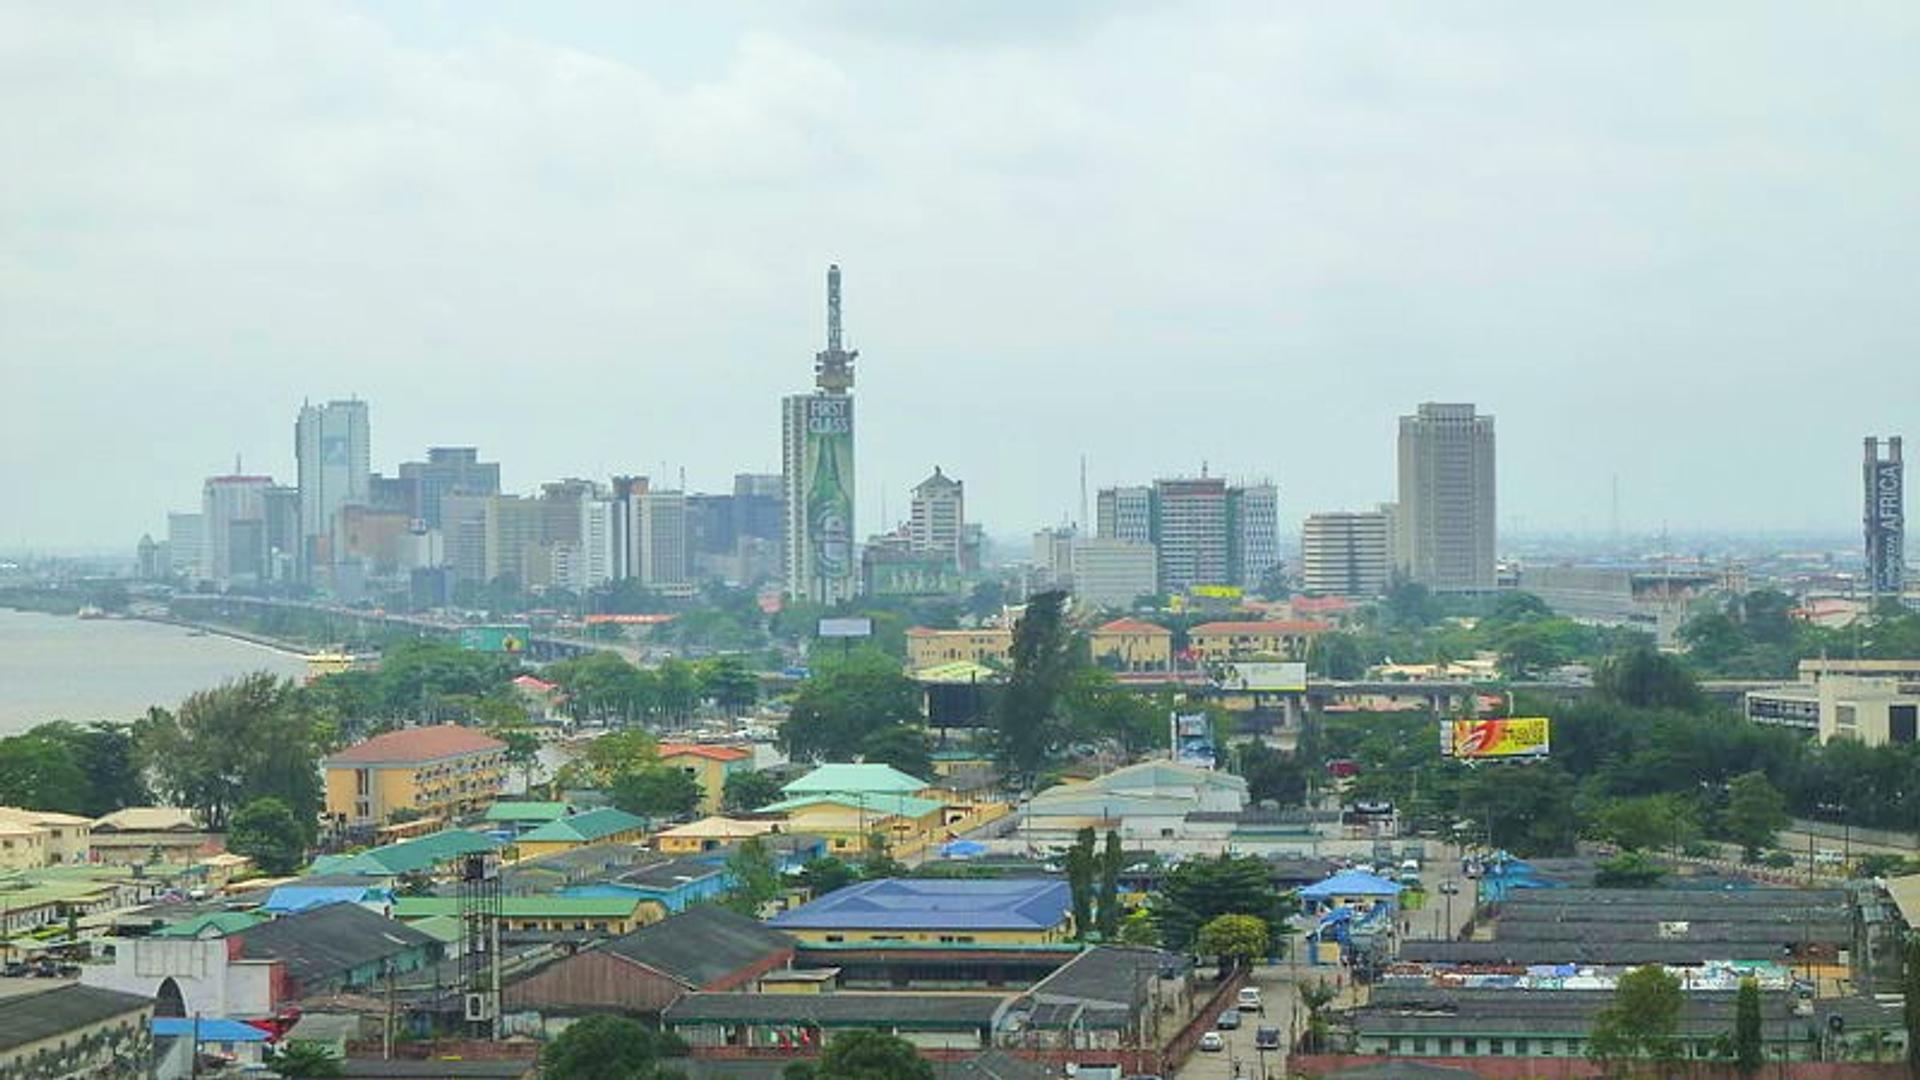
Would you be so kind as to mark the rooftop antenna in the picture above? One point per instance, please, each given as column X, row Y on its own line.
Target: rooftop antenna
column 833, row 369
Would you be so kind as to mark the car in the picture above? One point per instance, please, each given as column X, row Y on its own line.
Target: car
column 1212, row 1042
column 1267, row 1038
column 1228, row 1021
column 1249, row 999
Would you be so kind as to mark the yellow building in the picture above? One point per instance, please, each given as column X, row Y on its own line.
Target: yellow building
column 606, row 825
column 1132, row 645
column 68, row 839
column 908, row 824
column 1282, row 639
column 443, row 771
column 142, row 834
column 709, row 833
column 930, row 648
column 936, row 911
column 76, row 1031
column 22, row 847
column 709, row 765
column 611, row 915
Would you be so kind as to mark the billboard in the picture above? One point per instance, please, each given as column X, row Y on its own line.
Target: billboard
column 1886, row 526
column 828, row 475
column 1193, row 739
column 1508, row 737
column 1283, row 678
column 846, row 628
column 495, row 639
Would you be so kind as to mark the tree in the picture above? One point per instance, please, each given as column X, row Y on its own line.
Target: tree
column 1641, row 1020
column 656, row 791
column 245, row 739
column 607, row 758
column 1629, row 870
column 824, row 875
column 1645, row 678
column 728, row 683
column 746, row 791
column 755, row 878
column 523, row 750
column 1138, row 929
column 1237, row 940
column 304, row 1061
column 1201, row 889
column 1271, row 774
column 607, row 1047
column 1748, row 1048
column 1910, row 997
column 905, row 748
column 1755, row 812
column 1523, row 808
column 265, row 831
column 844, row 701
column 41, row 772
column 872, row 1055
column 1028, row 720
column 1112, row 861
column 1650, row 821
column 1080, row 871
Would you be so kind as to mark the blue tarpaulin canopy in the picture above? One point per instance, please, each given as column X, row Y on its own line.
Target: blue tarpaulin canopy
column 962, row 849
column 1350, row 883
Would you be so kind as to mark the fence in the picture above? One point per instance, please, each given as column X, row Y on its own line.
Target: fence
column 1574, row 1068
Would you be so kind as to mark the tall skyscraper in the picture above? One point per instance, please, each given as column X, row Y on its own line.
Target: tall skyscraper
column 1445, row 521
column 187, row 545
column 936, row 522
column 1190, row 532
column 1345, row 553
column 1125, row 513
column 450, row 470
column 333, row 448
column 233, row 512
column 659, row 529
column 1253, row 533
column 1885, row 518
column 817, row 467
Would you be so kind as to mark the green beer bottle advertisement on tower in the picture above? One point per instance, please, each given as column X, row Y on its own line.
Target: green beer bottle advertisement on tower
column 830, row 491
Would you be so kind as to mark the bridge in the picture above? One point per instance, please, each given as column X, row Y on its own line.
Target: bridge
column 220, row 607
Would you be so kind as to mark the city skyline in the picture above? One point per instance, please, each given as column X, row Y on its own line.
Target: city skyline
column 1260, row 269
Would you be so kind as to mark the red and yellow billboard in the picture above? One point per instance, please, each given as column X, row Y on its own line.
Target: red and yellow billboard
column 1508, row 737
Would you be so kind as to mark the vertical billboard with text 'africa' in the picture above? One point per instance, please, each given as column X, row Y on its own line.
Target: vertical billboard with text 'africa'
column 829, row 495
column 1507, row 737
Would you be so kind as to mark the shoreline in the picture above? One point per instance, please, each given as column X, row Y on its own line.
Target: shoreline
column 261, row 641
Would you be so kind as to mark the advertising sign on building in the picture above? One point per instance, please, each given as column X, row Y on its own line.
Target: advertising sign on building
column 846, row 628
column 1886, row 528
column 495, row 639
column 829, row 493
column 1269, row 678
column 1193, row 739
column 1509, row 737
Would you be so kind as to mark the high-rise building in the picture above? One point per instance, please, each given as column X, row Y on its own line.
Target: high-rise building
column 1190, row 532
column 514, row 531
column 233, row 510
column 333, row 449
column 1112, row 573
column 1053, row 558
column 187, row 545
column 283, row 531
column 1884, row 517
column 450, row 470
column 817, row 467
column 659, row 531
column 936, row 524
column 1253, row 533
column 150, row 559
column 1345, row 553
column 1125, row 513
column 1445, row 521
column 463, row 536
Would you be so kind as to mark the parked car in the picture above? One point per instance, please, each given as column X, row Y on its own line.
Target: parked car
column 1228, row 1021
column 1212, row 1042
column 1267, row 1038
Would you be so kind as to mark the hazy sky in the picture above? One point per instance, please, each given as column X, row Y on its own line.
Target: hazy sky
column 1676, row 243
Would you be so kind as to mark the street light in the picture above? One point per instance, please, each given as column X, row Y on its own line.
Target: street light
column 1449, row 889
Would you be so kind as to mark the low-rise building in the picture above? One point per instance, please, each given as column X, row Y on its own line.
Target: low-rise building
column 148, row 834
column 1872, row 710
column 67, row 840
column 76, row 1032
column 1132, row 645
column 1148, row 802
column 907, row 823
column 1283, row 639
column 842, row 779
column 927, row 648
column 801, row 1023
column 519, row 816
column 425, row 855
column 441, row 771
column 709, row 764
column 606, row 825
column 1033, row 911
column 598, row 916
column 709, row 833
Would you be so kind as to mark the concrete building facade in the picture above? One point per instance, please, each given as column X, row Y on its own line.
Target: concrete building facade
column 333, row 450
column 1345, row 553
column 1447, row 506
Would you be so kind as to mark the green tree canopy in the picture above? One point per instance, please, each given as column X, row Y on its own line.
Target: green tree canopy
column 1646, row 678
column 1028, row 720
column 1201, row 889
column 1237, row 940
column 246, row 739
column 845, row 700
column 607, row 758
column 1749, row 1051
column 750, row 790
column 756, row 879
column 1641, row 1021
column 903, row 747
column 872, row 1055
column 606, row 1047
column 265, row 831
column 1755, row 812
column 656, row 791
column 824, row 875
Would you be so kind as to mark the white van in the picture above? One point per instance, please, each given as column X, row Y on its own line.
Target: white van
column 1249, row 999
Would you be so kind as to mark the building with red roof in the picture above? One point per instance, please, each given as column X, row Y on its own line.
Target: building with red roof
column 442, row 771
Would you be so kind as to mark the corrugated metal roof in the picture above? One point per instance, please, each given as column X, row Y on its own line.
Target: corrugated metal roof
column 845, row 779
column 28, row 1018
column 586, row 827
column 933, row 904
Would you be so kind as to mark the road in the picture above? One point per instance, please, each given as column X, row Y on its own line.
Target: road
column 1240, row 1059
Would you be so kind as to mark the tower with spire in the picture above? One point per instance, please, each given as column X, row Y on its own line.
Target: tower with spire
column 820, row 561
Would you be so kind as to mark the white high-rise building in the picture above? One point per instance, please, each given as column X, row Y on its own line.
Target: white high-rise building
column 937, row 522
column 187, row 545
column 1112, row 573
column 659, row 531
column 1253, row 513
column 1125, row 513
column 1445, row 521
column 333, row 448
column 820, row 561
column 1345, row 553
column 233, row 514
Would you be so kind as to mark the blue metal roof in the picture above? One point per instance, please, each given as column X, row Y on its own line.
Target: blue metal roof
column 1350, row 883
column 933, row 904
column 287, row 899
column 208, row 1029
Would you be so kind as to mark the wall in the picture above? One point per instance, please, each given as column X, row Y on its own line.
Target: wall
column 1531, row 1068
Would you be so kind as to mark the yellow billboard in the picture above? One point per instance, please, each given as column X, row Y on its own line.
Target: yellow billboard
column 1508, row 737
column 1216, row 592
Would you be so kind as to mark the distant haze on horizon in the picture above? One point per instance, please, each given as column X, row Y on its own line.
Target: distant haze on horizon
column 1672, row 244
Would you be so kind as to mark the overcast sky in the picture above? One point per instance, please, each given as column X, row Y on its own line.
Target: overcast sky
column 1673, row 243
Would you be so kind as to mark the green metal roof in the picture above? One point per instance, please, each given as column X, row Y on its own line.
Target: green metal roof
column 407, row 856
column 520, row 812
column 840, row 779
column 525, row 907
column 586, row 827
column 217, row 924
column 899, row 805
column 445, row 929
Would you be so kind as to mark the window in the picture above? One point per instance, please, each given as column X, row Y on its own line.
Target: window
column 1393, row 1046
column 1419, row 1046
column 1470, row 1046
column 835, row 938
column 1496, row 1046
column 1520, row 1048
column 1446, row 1044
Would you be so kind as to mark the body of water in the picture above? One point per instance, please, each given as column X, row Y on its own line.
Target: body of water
column 55, row 667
